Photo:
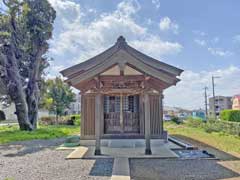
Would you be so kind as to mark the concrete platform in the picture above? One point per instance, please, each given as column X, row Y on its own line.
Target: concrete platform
column 128, row 148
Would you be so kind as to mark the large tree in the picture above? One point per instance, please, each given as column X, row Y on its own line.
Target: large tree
column 25, row 28
column 57, row 96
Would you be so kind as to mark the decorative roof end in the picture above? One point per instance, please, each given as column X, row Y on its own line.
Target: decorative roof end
column 121, row 42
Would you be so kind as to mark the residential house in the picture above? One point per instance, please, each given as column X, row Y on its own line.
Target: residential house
column 236, row 102
column 221, row 103
column 199, row 113
column 75, row 107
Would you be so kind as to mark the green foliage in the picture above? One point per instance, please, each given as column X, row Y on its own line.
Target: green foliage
column 12, row 133
column 77, row 119
column 58, row 96
column 232, row 128
column 176, row 120
column 219, row 140
column 47, row 120
column 25, row 28
column 194, row 122
column 213, row 125
column 230, row 115
column 63, row 120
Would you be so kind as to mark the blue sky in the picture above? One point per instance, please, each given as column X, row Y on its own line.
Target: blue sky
column 201, row 37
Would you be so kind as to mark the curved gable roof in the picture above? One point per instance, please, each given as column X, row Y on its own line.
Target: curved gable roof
column 108, row 58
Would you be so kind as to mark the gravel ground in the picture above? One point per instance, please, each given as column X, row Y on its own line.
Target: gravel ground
column 177, row 169
column 38, row 160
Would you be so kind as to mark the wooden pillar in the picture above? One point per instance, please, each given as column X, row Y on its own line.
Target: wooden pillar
column 121, row 113
column 147, row 124
column 82, row 133
column 98, row 116
column 161, row 113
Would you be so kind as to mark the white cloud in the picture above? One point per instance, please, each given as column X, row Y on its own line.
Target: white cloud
column 236, row 38
column 167, row 24
column 190, row 92
column 86, row 39
column 156, row 3
column 219, row 52
column 156, row 47
column 215, row 40
column 200, row 42
column 129, row 7
column 199, row 33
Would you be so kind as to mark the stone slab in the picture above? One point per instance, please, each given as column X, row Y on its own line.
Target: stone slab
column 121, row 169
column 78, row 153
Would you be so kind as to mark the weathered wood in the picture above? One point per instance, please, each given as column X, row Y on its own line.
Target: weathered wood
column 101, row 58
column 82, row 115
column 155, row 116
column 122, row 78
column 120, row 55
column 161, row 113
column 98, row 124
column 147, row 124
column 89, row 115
column 141, row 113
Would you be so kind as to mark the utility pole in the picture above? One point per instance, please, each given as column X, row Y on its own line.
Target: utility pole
column 213, row 88
column 206, row 104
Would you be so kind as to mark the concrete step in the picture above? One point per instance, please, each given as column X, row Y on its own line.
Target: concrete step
column 123, row 143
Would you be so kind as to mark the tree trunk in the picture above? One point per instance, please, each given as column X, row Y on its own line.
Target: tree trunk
column 33, row 93
column 12, row 78
column 56, row 118
column 22, row 112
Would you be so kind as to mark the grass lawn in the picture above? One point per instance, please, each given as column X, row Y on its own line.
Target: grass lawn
column 12, row 133
column 219, row 141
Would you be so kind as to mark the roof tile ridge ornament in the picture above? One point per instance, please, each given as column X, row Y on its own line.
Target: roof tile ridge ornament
column 121, row 42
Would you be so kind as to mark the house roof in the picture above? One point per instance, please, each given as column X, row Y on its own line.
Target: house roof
column 121, row 53
column 237, row 96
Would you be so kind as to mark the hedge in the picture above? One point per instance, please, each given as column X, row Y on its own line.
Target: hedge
column 228, row 127
column 230, row 115
column 212, row 125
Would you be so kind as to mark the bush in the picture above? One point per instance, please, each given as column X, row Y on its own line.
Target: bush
column 51, row 120
column 76, row 119
column 176, row 120
column 232, row 128
column 230, row 115
column 47, row 120
column 194, row 122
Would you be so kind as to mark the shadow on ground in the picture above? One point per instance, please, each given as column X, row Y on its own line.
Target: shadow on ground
column 22, row 148
column 102, row 167
column 171, row 169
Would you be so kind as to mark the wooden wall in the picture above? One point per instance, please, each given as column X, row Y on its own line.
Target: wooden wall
column 155, row 119
column 88, row 116
column 155, row 116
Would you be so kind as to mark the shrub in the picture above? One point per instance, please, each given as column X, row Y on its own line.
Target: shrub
column 176, row 120
column 76, row 119
column 47, row 120
column 232, row 128
column 51, row 120
column 230, row 115
column 194, row 122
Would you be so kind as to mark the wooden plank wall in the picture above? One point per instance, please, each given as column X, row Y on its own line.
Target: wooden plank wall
column 88, row 115
column 155, row 122
column 141, row 113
